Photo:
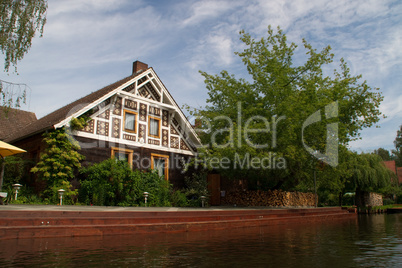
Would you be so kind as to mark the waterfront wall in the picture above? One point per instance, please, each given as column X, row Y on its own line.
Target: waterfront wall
column 275, row 198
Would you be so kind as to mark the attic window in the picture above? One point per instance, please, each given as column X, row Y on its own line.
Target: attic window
column 154, row 127
column 130, row 121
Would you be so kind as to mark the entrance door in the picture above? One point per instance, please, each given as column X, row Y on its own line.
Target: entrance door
column 214, row 188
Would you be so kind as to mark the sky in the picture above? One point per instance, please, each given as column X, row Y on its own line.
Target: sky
column 89, row 44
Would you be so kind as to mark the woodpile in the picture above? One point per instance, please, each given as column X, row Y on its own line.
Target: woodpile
column 275, row 198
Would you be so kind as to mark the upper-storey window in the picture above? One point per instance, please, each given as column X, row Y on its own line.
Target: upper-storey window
column 130, row 121
column 154, row 127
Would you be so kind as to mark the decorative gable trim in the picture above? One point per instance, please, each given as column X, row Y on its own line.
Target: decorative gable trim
column 157, row 103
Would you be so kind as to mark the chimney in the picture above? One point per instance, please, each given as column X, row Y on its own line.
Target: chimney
column 139, row 67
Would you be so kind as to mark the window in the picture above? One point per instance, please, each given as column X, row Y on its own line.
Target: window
column 130, row 121
column 161, row 164
column 154, row 127
column 123, row 155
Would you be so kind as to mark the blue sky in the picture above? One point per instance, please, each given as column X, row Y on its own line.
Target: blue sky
column 88, row 44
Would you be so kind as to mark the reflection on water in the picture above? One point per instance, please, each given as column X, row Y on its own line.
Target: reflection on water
column 372, row 241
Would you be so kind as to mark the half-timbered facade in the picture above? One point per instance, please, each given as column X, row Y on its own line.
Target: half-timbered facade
column 135, row 119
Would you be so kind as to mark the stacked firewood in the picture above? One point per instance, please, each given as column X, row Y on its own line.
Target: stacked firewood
column 275, row 198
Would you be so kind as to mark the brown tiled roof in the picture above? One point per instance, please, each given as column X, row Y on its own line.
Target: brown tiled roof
column 13, row 120
column 48, row 121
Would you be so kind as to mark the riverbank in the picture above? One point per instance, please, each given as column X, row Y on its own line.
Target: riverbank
column 24, row 221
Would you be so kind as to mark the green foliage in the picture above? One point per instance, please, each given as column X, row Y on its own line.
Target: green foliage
column 69, row 196
column 14, row 169
column 113, row 182
column 196, row 186
column 279, row 97
column 179, row 199
column 384, row 154
column 369, row 174
column 19, row 21
column 60, row 159
column 398, row 147
column 78, row 123
column 58, row 164
column 348, row 200
column 108, row 183
column 388, row 201
column 25, row 195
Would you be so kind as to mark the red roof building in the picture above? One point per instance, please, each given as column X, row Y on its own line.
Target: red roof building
column 397, row 170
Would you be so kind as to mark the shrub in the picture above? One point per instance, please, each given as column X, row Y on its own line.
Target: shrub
column 112, row 182
column 196, row 186
column 179, row 199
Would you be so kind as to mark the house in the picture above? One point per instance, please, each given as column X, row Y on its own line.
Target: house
column 391, row 165
column 135, row 119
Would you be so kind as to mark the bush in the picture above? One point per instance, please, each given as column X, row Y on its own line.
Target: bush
column 25, row 196
column 112, row 182
column 388, row 201
column 196, row 186
column 179, row 199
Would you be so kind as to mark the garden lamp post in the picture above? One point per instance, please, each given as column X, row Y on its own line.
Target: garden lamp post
column 203, row 200
column 146, row 197
column 61, row 193
column 16, row 187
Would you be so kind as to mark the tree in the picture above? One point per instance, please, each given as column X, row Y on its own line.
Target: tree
column 59, row 162
column 398, row 147
column 19, row 22
column 276, row 113
column 370, row 175
column 384, row 154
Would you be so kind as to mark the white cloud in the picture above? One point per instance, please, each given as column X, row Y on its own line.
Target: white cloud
column 89, row 44
column 392, row 108
column 208, row 10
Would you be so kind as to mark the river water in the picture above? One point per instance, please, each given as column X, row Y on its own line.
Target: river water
column 369, row 241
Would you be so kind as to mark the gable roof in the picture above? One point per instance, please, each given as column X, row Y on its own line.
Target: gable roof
column 62, row 116
column 12, row 120
column 49, row 121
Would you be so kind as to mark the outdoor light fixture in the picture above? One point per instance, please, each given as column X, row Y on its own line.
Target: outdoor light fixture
column 61, row 193
column 145, row 197
column 16, row 187
column 203, row 200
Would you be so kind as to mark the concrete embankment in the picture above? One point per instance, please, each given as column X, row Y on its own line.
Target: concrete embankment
column 73, row 221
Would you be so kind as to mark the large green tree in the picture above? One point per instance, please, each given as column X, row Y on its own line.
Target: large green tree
column 19, row 22
column 384, row 154
column 398, row 147
column 282, row 111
